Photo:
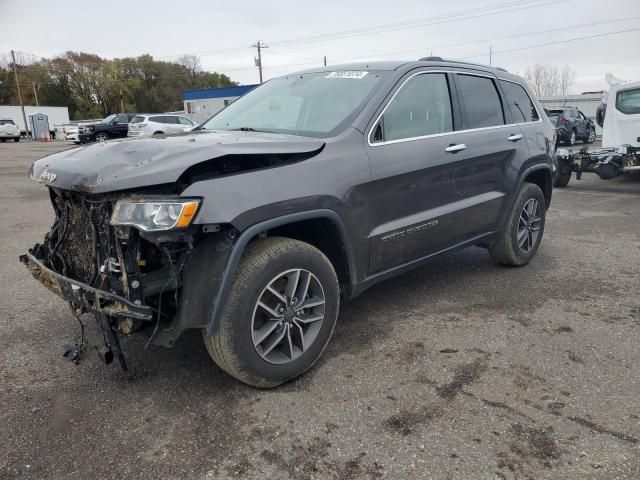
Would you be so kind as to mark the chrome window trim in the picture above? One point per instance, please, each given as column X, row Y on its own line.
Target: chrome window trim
column 453, row 132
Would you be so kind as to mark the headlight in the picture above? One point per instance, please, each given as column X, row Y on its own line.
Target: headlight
column 90, row 128
column 155, row 215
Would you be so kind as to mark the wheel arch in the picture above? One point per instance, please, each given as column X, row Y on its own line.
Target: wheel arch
column 541, row 175
column 300, row 226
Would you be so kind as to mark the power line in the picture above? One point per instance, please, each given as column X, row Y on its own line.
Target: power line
column 554, row 43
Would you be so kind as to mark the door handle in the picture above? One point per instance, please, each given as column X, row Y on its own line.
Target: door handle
column 515, row 138
column 455, row 148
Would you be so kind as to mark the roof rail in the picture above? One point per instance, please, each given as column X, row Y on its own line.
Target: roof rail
column 440, row 59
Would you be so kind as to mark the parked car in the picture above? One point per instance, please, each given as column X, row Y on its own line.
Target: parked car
column 147, row 125
column 114, row 126
column 71, row 133
column 310, row 186
column 572, row 125
column 9, row 130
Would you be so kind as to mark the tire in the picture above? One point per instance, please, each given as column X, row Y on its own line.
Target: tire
column 507, row 250
column 155, row 134
column 243, row 321
column 101, row 137
column 3, row 140
column 17, row 139
column 560, row 180
column 591, row 137
column 572, row 137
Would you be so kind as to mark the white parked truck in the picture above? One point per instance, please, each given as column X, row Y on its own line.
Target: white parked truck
column 619, row 117
column 58, row 116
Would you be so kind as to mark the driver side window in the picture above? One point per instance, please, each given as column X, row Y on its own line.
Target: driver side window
column 421, row 107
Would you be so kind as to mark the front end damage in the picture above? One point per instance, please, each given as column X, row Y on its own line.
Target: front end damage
column 131, row 280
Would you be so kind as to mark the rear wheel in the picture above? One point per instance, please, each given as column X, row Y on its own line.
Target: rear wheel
column 519, row 241
column 280, row 314
column 17, row 139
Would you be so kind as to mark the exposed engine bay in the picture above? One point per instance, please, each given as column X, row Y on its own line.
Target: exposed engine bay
column 130, row 279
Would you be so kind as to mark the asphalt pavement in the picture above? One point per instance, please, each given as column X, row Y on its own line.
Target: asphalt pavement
column 461, row 369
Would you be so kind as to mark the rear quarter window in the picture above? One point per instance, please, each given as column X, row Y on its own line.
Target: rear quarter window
column 520, row 104
column 7, row 122
column 628, row 101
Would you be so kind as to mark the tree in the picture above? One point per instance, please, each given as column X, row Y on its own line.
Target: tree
column 92, row 86
column 549, row 80
column 567, row 78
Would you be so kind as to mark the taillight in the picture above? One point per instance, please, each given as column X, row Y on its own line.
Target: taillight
column 142, row 125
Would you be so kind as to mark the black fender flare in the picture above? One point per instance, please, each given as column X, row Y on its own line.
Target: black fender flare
column 252, row 232
column 523, row 175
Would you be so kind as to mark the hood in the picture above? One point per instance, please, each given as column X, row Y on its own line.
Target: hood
column 131, row 163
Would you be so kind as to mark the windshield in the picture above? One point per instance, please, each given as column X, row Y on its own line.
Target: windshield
column 314, row 104
column 108, row 119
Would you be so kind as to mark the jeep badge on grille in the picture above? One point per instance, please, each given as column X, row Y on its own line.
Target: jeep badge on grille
column 48, row 176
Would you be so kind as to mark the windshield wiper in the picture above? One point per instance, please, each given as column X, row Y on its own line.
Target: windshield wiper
column 249, row 129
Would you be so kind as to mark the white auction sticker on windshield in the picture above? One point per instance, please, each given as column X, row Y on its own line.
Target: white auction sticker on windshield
column 347, row 74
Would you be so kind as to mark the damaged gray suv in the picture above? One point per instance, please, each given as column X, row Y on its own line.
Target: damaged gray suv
column 313, row 186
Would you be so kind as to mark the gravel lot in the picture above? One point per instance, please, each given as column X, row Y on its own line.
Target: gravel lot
column 543, row 383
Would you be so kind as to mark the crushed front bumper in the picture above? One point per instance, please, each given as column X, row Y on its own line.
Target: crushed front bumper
column 82, row 295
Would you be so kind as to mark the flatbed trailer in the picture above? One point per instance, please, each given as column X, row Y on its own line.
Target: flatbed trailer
column 607, row 163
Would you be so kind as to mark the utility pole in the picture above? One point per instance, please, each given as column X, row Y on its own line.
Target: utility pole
column 258, row 61
column 35, row 93
column 121, row 102
column 490, row 54
column 325, row 60
column 15, row 73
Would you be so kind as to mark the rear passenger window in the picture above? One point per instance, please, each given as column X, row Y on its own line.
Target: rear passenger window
column 421, row 107
column 520, row 104
column 481, row 101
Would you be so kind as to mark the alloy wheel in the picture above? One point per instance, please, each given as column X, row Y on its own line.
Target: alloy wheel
column 572, row 139
column 288, row 316
column 529, row 225
column 101, row 138
column 592, row 136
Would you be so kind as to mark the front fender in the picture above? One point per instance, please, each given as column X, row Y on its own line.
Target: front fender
column 252, row 232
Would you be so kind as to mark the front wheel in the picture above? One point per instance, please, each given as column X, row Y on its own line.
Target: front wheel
column 592, row 136
column 280, row 314
column 572, row 137
column 17, row 139
column 519, row 241
column 102, row 137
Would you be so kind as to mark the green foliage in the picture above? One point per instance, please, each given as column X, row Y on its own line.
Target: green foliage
column 94, row 87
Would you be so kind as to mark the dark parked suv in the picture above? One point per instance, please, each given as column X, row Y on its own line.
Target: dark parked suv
column 572, row 125
column 114, row 126
column 313, row 185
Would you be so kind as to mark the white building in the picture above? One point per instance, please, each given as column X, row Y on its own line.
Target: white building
column 200, row 104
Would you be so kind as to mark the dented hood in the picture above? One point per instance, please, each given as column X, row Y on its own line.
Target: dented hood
column 132, row 163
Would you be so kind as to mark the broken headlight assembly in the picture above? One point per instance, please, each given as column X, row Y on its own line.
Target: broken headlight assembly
column 155, row 215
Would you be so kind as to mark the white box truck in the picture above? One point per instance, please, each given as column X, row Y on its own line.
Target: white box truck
column 58, row 116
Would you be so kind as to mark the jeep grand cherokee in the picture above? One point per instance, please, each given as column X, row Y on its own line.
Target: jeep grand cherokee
column 314, row 185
